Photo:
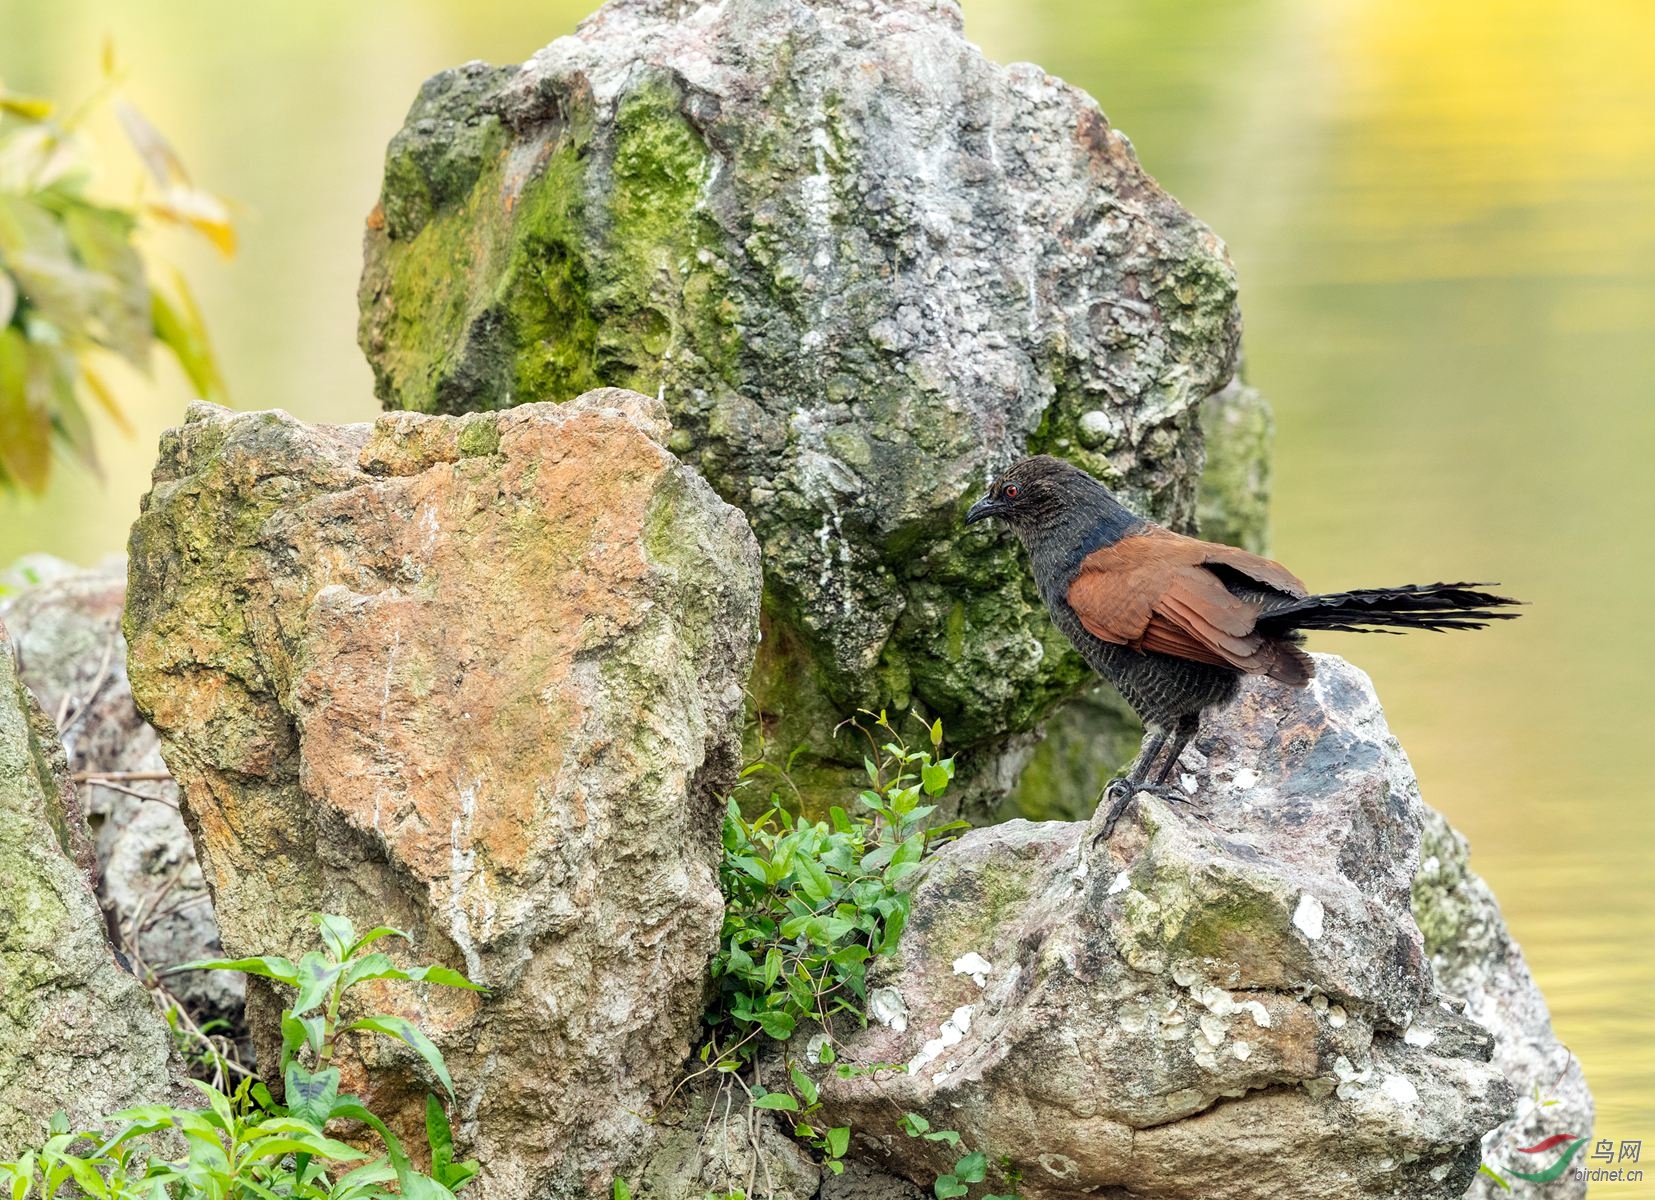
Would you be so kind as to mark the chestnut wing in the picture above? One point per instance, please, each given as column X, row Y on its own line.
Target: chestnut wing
column 1155, row 592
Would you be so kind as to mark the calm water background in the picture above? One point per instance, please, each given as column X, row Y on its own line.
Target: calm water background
column 1443, row 215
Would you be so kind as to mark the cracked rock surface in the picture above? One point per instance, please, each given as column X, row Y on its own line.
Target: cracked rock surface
column 1230, row 999
column 66, row 624
column 865, row 267
column 477, row 678
column 77, row 1032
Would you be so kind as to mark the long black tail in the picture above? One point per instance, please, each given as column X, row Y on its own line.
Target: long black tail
column 1392, row 610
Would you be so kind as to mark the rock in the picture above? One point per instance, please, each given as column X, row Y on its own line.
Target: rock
column 479, row 679
column 720, row 1146
column 1228, row 1001
column 66, row 625
column 1475, row 961
column 77, row 1033
column 1234, row 502
column 865, row 267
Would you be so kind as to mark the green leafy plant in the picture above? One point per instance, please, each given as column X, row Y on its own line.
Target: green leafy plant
column 808, row 906
column 244, row 1145
column 970, row 1168
column 809, row 903
column 74, row 286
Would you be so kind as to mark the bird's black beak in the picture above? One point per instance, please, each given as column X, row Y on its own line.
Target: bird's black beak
column 988, row 506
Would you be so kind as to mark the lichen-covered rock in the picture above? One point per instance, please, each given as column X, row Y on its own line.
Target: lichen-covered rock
column 66, row 624
column 864, row 266
column 1230, row 1000
column 77, row 1033
column 1475, row 961
column 478, row 678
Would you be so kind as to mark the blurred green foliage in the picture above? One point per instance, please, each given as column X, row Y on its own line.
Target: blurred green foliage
column 74, row 284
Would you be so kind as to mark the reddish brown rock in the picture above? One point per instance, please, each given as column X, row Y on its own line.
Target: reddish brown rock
column 479, row 678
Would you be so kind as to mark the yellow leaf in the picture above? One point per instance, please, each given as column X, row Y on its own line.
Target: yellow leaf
column 106, row 399
column 25, row 428
column 199, row 210
column 152, row 148
column 30, row 108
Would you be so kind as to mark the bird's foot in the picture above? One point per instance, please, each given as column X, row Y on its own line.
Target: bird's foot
column 1170, row 792
column 1118, row 794
column 1122, row 793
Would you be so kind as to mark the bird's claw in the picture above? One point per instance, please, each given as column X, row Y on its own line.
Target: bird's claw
column 1122, row 793
column 1119, row 794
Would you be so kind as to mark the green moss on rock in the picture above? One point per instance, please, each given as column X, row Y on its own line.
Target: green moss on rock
column 850, row 328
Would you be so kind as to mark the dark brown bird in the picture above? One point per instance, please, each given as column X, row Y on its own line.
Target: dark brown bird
column 1174, row 622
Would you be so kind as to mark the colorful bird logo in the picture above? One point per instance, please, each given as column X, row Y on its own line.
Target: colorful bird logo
column 1568, row 1141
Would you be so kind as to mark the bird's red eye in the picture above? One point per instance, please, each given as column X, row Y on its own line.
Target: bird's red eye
column 1010, row 491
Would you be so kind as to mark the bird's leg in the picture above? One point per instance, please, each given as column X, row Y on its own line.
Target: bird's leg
column 1182, row 735
column 1120, row 792
column 1147, row 754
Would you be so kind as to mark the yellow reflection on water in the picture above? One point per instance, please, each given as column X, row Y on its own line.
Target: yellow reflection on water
column 1443, row 215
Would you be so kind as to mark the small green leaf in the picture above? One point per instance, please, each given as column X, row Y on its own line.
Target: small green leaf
column 317, row 976
column 443, row 977
column 405, row 1030
column 373, row 935
column 947, row 1187
column 1485, row 1169
column 338, row 934
column 972, row 1167
column 913, row 1124
column 805, row 1084
column 777, row 1100
column 838, row 1141
column 310, row 1097
column 268, row 966
column 620, row 1191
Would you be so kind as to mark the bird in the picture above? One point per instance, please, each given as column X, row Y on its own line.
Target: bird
column 1175, row 623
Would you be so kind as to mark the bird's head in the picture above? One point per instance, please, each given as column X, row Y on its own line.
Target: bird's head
column 1038, row 493
column 1051, row 505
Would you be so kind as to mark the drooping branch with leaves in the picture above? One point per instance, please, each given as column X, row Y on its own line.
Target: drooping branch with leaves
column 76, row 289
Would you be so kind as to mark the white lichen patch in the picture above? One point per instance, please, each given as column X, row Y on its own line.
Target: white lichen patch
column 1307, row 917
column 1119, row 884
column 1336, row 1016
column 1400, row 1089
column 974, row 965
column 1213, row 1029
column 886, row 1006
column 1245, row 778
column 953, row 1031
column 1242, row 1050
column 1352, row 1079
column 1415, row 1036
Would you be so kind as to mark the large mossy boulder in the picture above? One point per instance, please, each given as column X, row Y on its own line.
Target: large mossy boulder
column 78, row 1033
column 864, row 267
column 1225, row 1000
column 478, row 678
